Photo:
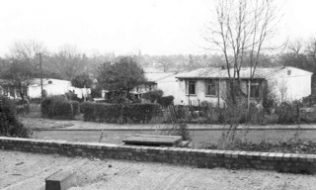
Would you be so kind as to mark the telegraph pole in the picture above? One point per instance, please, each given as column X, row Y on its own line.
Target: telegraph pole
column 41, row 70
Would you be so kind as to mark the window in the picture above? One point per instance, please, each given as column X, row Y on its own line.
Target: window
column 254, row 89
column 289, row 72
column 190, row 88
column 211, row 88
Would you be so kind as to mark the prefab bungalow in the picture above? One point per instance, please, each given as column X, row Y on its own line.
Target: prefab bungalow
column 210, row 84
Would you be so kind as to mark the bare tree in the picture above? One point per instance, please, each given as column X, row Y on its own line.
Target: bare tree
column 26, row 50
column 21, row 65
column 240, row 31
column 311, row 53
column 300, row 54
column 242, row 28
column 296, row 47
column 69, row 62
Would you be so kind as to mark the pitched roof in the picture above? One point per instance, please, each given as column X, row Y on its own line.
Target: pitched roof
column 216, row 72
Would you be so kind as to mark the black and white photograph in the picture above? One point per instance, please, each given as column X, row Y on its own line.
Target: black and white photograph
column 158, row 95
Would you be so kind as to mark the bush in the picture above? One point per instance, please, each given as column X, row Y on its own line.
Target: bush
column 63, row 110
column 139, row 113
column 48, row 105
column 9, row 124
column 75, row 107
column 87, row 108
column 153, row 96
column 59, row 107
column 256, row 114
column 165, row 101
column 118, row 113
column 110, row 113
column 22, row 106
column 96, row 93
column 287, row 113
column 72, row 96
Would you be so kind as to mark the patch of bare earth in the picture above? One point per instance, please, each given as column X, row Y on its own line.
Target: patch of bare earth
column 27, row 171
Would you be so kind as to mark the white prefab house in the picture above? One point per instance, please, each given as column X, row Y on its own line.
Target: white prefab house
column 210, row 84
column 54, row 87
column 51, row 86
column 33, row 88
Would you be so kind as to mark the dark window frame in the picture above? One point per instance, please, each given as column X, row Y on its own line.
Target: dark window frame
column 254, row 89
column 191, row 87
column 211, row 84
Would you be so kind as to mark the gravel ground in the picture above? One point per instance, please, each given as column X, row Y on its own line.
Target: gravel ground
column 28, row 171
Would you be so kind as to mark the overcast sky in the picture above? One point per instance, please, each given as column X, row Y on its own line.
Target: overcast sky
column 125, row 26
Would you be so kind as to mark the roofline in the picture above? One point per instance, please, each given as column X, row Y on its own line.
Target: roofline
column 261, row 78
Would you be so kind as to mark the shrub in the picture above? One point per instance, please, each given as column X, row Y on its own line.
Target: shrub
column 63, row 110
column 108, row 112
column 118, row 113
column 22, row 106
column 96, row 92
column 182, row 113
column 72, row 96
column 256, row 114
column 75, row 107
column 287, row 113
column 139, row 113
column 9, row 123
column 87, row 108
column 59, row 107
column 48, row 105
column 153, row 96
column 214, row 115
column 165, row 101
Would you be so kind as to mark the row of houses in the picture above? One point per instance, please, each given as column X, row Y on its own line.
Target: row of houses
column 205, row 84
column 211, row 84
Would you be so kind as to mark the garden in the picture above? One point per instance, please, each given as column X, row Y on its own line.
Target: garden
column 62, row 113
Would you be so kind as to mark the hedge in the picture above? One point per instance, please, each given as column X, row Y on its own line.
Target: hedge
column 118, row 113
column 87, row 108
column 59, row 107
column 75, row 107
column 110, row 113
column 139, row 113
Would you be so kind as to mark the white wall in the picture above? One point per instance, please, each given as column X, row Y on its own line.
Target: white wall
column 170, row 87
column 200, row 96
column 58, row 87
column 290, row 84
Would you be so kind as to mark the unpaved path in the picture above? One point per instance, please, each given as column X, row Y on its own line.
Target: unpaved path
column 28, row 171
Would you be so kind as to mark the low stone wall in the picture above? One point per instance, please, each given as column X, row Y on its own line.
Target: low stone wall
column 282, row 162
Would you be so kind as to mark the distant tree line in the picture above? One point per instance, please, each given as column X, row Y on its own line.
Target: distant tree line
column 23, row 62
